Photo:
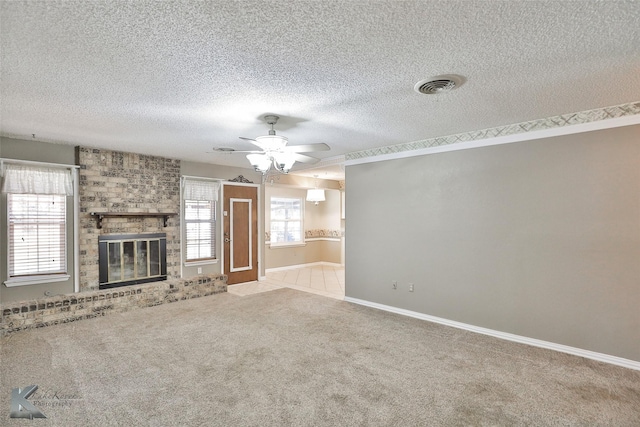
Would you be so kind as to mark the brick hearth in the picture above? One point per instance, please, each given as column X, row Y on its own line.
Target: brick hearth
column 58, row 309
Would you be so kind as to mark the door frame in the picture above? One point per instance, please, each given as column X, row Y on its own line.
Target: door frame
column 260, row 231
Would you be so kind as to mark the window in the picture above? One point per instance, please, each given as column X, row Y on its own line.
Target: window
column 200, row 223
column 37, row 234
column 199, row 199
column 286, row 220
column 37, row 218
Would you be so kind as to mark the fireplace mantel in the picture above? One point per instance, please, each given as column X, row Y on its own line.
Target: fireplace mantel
column 100, row 215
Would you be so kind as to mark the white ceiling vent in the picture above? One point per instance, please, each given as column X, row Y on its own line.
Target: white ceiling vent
column 439, row 84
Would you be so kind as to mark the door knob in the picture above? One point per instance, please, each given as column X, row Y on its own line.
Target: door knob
column 227, row 240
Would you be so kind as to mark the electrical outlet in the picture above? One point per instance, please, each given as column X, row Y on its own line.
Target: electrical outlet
column 410, row 287
column 394, row 284
column 199, row 270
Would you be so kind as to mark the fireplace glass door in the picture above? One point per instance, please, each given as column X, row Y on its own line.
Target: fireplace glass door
column 131, row 260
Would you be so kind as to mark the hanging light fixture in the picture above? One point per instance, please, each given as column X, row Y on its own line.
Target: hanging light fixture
column 283, row 162
column 260, row 162
column 315, row 195
column 275, row 152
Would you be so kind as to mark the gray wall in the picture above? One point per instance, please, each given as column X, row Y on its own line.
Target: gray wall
column 538, row 238
column 40, row 152
column 37, row 151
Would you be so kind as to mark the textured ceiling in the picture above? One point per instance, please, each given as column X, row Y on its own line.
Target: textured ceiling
column 176, row 79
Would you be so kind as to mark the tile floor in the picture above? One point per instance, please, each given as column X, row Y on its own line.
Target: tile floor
column 318, row 279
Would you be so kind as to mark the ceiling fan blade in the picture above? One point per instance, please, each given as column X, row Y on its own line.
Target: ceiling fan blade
column 225, row 150
column 253, row 141
column 244, row 152
column 302, row 158
column 306, row 148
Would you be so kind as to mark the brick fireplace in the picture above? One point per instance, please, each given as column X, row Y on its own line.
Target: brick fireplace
column 134, row 199
column 120, row 182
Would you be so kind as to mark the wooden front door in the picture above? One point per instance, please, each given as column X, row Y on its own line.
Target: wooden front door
column 240, row 234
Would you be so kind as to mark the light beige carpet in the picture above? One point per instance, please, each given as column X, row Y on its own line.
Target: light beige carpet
column 288, row 358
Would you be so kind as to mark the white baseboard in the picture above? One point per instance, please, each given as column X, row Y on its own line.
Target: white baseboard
column 600, row 357
column 311, row 264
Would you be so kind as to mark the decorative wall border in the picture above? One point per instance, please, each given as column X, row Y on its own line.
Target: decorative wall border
column 312, row 234
column 564, row 120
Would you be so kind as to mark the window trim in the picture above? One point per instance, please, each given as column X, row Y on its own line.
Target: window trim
column 204, row 261
column 184, row 262
column 36, row 279
column 73, row 234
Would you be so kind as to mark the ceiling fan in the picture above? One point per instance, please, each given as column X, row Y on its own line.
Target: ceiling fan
column 275, row 151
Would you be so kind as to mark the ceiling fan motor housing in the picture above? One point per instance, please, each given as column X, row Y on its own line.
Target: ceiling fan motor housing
column 271, row 119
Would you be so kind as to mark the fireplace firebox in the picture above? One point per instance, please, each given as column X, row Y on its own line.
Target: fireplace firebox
column 130, row 259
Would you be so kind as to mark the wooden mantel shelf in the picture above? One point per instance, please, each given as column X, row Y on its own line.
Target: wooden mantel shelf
column 100, row 215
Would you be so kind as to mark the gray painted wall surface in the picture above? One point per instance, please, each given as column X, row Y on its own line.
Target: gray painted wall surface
column 37, row 151
column 539, row 238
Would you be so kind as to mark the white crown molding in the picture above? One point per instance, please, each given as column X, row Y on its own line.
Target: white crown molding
column 567, row 124
column 600, row 357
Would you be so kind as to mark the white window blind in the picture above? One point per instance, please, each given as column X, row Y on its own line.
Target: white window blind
column 199, row 218
column 37, row 234
column 199, row 200
column 286, row 220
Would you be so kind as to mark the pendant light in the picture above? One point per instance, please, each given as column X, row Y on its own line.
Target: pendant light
column 315, row 195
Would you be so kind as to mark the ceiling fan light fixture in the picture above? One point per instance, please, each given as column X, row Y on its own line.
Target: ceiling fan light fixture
column 272, row 142
column 260, row 162
column 274, row 151
column 284, row 161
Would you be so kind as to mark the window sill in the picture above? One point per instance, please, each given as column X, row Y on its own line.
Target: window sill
column 202, row 262
column 286, row 245
column 36, row 280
